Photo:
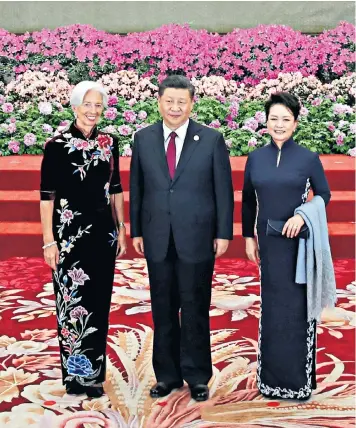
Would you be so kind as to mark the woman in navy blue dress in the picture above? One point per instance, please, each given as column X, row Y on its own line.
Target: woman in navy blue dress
column 277, row 180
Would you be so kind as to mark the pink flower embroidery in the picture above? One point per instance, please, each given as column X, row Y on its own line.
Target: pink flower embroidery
column 78, row 276
column 104, row 141
column 78, row 312
column 67, row 216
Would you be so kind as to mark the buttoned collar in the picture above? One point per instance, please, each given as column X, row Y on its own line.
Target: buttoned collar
column 181, row 131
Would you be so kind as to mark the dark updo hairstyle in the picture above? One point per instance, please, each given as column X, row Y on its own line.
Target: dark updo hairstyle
column 288, row 100
column 176, row 81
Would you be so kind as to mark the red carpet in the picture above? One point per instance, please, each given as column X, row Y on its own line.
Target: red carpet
column 30, row 388
column 20, row 229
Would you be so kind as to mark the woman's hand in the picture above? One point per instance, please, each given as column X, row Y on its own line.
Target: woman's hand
column 121, row 242
column 51, row 256
column 293, row 226
column 252, row 250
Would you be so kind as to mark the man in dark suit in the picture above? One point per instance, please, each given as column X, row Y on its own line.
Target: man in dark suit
column 181, row 208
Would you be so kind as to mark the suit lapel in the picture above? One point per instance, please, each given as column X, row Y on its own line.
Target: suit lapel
column 158, row 146
column 190, row 144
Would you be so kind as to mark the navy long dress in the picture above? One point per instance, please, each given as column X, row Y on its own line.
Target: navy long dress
column 79, row 174
column 276, row 182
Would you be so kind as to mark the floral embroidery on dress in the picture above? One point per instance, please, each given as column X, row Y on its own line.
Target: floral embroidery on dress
column 67, row 245
column 93, row 151
column 306, row 191
column 67, row 216
column 73, row 320
column 114, row 237
column 107, row 193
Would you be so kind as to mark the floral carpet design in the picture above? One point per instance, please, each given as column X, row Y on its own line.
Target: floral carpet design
column 32, row 395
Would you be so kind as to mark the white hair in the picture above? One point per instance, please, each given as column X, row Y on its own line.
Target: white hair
column 79, row 91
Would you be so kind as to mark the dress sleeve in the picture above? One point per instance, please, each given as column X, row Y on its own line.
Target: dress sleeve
column 249, row 204
column 49, row 172
column 115, row 182
column 318, row 180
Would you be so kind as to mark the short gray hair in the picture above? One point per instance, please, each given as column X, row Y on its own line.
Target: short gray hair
column 79, row 91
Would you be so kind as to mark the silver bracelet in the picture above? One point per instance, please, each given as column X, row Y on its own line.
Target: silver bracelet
column 49, row 245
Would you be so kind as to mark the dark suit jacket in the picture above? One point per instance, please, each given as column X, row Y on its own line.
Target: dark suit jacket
column 197, row 204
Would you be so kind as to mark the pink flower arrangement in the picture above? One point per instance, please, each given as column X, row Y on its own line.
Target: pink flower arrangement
column 124, row 130
column 215, row 124
column 47, row 128
column 341, row 109
column 252, row 142
column 45, row 108
column 11, row 129
column 112, row 100
column 111, row 113
column 7, row 108
column 130, row 116
column 142, row 115
column 29, row 139
column 14, row 146
column 127, row 151
column 340, row 139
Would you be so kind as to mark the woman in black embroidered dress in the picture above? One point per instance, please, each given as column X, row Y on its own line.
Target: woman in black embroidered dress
column 82, row 220
column 277, row 180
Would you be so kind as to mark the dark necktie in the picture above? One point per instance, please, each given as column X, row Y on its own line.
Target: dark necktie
column 171, row 154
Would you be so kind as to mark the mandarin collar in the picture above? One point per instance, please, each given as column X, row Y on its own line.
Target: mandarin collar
column 77, row 133
column 290, row 142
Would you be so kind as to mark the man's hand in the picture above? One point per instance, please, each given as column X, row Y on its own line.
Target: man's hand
column 293, row 226
column 121, row 242
column 220, row 247
column 51, row 256
column 252, row 250
column 138, row 245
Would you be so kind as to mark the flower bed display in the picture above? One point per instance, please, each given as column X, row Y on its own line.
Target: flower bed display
column 233, row 75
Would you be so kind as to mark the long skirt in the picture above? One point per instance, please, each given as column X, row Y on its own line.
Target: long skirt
column 83, row 286
column 287, row 341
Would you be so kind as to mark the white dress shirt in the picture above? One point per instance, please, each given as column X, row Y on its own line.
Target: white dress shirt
column 181, row 133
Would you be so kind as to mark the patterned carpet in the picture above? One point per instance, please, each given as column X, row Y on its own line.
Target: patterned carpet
column 31, row 393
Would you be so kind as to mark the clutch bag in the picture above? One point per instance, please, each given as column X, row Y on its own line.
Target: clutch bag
column 275, row 227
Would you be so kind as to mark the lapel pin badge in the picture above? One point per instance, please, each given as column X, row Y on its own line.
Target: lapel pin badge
column 196, row 137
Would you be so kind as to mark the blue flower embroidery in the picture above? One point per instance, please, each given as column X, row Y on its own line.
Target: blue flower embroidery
column 114, row 237
column 79, row 365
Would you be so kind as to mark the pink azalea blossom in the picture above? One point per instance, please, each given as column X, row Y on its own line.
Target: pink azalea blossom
column 232, row 125
column 2, row 99
column 251, row 124
column 29, row 139
column 353, row 128
column 215, row 124
column 331, row 127
column 45, row 108
column 352, row 152
column 111, row 113
column 263, row 131
column 130, row 116
column 341, row 109
column 304, row 111
column 47, row 128
column 317, row 102
column 228, row 143
column 112, row 100
column 340, row 139
column 124, row 130
column 132, row 102
column 252, row 142
column 14, row 146
column 12, row 119
column 7, row 108
column 260, row 116
column 142, row 115
column 234, row 110
column 11, row 129
column 127, row 150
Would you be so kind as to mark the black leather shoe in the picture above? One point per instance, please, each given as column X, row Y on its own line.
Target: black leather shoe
column 199, row 392
column 162, row 389
column 94, row 391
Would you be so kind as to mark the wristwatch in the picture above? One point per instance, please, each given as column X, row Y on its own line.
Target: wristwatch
column 121, row 224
